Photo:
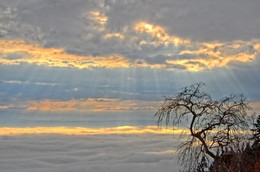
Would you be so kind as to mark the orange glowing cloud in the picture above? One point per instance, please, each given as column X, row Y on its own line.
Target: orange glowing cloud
column 255, row 106
column 114, row 35
column 216, row 54
column 202, row 55
column 4, row 107
column 54, row 57
column 188, row 55
column 99, row 18
column 159, row 33
column 91, row 104
column 7, row 131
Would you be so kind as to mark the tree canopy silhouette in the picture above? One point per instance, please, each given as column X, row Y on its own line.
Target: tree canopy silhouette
column 216, row 127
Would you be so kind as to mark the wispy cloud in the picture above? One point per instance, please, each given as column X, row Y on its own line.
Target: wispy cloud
column 28, row 82
column 114, row 35
column 4, row 107
column 92, row 105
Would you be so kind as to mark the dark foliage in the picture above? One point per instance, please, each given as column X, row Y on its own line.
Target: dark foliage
column 256, row 131
column 246, row 161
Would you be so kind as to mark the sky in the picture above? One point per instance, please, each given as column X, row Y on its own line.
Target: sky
column 110, row 63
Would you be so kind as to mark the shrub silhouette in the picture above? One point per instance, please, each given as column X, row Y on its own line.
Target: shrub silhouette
column 218, row 129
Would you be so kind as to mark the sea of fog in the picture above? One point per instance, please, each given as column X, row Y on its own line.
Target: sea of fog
column 85, row 153
column 88, row 153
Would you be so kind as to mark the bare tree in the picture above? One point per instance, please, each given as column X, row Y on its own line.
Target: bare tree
column 216, row 128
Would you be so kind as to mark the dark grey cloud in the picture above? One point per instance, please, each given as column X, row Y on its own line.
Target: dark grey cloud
column 77, row 27
column 64, row 23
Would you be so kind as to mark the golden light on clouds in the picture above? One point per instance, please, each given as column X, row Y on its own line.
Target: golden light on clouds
column 8, row 131
column 158, row 32
column 122, row 130
column 99, row 18
column 188, row 55
column 216, row 54
column 54, row 57
column 92, row 105
column 255, row 106
column 114, row 35
column 4, row 107
column 257, row 46
column 200, row 55
column 201, row 63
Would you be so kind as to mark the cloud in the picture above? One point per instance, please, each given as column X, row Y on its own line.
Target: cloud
column 169, row 35
column 255, row 106
column 201, row 56
column 95, row 153
column 54, row 57
column 159, row 33
column 4, row 107
column 7, row 131
column 31, row 83
column 213, row 55
column 114, row 35
column 92, row 105
column 12, row 27
column 99, row 19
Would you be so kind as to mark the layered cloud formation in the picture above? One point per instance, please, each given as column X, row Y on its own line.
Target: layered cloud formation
column 172, row 53
column 121, row 57
column 96, row 36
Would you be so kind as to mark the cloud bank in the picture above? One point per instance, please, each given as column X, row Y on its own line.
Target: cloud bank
column 96, row 153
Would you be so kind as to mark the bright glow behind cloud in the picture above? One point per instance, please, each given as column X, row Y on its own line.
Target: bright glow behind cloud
column 7, row 131
column 54, row 57
column 201, row 55
column 189, row 55
column 159, row 33
column 99, row 19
